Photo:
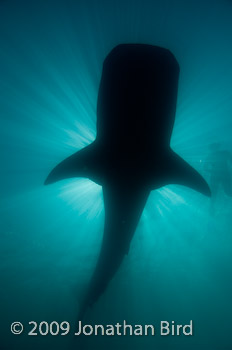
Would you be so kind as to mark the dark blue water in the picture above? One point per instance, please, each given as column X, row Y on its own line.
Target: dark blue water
column 179, row 264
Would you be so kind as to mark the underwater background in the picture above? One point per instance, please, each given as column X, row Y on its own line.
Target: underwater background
column 180, row 264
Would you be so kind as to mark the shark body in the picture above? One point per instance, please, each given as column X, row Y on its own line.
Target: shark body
column 131, row 155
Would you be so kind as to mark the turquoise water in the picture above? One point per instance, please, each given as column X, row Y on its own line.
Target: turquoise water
column 179, row 264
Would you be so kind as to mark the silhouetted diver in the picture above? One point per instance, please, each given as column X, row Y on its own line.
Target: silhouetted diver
column 218, row 164
column 131, row 154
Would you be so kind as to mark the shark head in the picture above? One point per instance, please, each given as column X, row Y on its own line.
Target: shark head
column 137, row 97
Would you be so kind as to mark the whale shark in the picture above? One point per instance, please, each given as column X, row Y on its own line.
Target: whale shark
column 131, row 155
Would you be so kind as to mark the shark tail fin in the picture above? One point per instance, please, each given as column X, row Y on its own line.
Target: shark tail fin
column 123, row 208
column 84, row 163
column 181, row 173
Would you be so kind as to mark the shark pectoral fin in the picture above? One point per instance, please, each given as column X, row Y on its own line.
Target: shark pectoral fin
column 180, row 172
column 123, row 208
column 80, row 164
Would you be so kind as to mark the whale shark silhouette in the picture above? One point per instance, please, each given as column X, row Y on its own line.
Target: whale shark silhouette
column 131, row 155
